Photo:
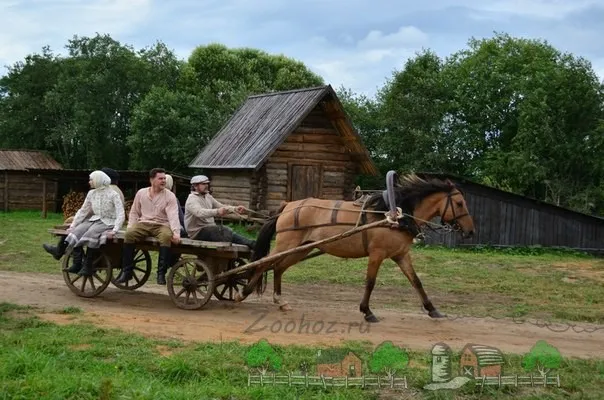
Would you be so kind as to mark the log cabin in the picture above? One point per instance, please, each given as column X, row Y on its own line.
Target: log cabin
column 21, row 188
column 285, row 146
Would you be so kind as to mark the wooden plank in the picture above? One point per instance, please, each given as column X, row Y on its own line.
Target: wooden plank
column 44, row 209
column 329, row 149
column 322, row 157
column 316, row 131
column 5, row 191
column 223, row 189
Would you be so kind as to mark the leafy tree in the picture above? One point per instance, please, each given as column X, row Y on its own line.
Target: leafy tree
column 388, row 358
column 24, row 120
column 169, row 128
column 261, row 355
column 543, row 357
column 414, row 106
column 527, row 117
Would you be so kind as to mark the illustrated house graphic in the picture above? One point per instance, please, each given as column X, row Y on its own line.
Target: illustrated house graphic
column 479, row 360
column 338, row 362
column 441, row 363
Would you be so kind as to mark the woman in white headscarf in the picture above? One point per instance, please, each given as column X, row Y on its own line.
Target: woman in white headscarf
column 99, row 218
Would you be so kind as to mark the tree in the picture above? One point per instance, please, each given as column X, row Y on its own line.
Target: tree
column 388, row 358
column 543, row 357
column 168, row 129
column 413, row 110
column 24, row 120
column 262, row 356
column 527, row 117
column 224, row 77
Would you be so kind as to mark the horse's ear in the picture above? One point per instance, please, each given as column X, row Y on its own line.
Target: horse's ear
column 449, row 183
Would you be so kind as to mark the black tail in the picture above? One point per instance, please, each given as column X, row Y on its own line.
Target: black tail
column 263, row 246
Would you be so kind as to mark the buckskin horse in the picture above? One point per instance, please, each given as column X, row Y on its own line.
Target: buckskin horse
column 309, row 220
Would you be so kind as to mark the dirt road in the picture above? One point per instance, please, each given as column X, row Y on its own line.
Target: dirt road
column 321, row 316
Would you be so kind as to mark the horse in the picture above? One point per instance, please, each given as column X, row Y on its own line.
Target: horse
column 309, row 220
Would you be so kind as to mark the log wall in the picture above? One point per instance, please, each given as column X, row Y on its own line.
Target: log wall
column 317, row 143
column 23, row 191
column 234, row 187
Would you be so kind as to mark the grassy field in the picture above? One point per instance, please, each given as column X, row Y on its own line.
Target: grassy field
column 42, row 360
column 525, row 283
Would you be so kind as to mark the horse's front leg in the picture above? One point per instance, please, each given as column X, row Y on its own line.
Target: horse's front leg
column 404, row 263
column 373, row 265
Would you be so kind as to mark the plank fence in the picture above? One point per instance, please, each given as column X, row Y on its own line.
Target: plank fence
column 378, row 382
column 517, row 380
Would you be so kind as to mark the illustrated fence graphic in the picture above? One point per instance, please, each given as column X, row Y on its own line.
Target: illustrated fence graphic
column 516, row 380
column 328, row 381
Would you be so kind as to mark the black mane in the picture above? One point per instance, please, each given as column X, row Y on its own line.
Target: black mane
column 408, row 193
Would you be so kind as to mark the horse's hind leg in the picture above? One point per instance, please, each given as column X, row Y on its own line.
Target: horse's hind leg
column 278, row 273
column 373, row 265
column 404, row 263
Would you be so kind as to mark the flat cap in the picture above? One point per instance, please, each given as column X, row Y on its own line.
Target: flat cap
column 199, row 179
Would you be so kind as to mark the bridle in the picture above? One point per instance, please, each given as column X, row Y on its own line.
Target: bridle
column 453, row 221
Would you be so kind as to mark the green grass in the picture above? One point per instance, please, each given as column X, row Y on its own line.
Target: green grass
column 521, row 282
column 42, row 360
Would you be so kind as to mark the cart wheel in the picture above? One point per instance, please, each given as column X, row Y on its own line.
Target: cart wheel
column 190, row 283
column 88, row 286
column 140, row 273
column 227, row 290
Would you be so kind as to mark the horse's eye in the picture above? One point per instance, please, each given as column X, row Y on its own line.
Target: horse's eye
column 459, row 204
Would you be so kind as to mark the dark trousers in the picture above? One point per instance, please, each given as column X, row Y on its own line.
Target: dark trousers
column 217, row 233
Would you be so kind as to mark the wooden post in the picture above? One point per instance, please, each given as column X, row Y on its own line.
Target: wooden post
column 5, row 191
column 44, row 199
column 545, row 380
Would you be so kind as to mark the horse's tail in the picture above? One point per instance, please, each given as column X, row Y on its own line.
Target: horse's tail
column 263, row 244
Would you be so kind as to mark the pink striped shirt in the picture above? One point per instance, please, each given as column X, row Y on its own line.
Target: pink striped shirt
column 161, row 209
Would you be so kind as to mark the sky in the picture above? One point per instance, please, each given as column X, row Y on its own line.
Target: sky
column 357, row 44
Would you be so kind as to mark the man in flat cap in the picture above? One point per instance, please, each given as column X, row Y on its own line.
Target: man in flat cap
column 200, row 210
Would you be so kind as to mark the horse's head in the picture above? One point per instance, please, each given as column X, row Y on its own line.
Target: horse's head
column 454, row 211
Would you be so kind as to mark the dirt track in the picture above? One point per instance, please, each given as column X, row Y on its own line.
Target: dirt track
column 332, row 314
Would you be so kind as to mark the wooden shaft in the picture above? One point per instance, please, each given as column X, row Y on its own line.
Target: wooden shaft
column 276, row 256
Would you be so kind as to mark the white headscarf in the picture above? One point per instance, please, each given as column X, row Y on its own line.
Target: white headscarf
column 100, row 179
column 169, row 182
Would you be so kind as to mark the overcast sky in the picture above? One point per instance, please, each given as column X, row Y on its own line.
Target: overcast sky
column 355, row 43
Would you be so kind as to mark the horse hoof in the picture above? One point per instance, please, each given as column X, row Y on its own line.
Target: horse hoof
column 436, row 314
column 285, row 307
column 371, row 318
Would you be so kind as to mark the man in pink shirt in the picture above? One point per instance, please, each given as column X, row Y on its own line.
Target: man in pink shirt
column 154, row 213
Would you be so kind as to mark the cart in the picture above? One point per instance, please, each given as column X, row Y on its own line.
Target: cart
column 204, row 268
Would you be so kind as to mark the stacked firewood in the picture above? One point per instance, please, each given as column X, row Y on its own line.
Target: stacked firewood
column 72, row 202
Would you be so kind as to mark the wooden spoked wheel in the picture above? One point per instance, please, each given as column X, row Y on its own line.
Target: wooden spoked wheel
column 226, row 290
column 190, row 283
column 88, row 286
column 140, row 272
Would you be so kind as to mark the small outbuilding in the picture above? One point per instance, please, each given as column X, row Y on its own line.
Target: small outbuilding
column 21, row 187
column 286, row 146
column 479, row 360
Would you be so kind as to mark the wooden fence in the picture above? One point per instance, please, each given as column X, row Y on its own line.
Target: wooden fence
column 328, row 381
column 516, row 380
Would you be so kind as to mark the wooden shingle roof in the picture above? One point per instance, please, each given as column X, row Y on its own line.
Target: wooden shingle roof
column 263, row 123
column 23, row 160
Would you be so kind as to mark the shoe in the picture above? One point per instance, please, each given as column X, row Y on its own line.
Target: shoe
column 56, row 251
column 88, row 269
column 128, row 250
column 78, row 257
column 165, row 256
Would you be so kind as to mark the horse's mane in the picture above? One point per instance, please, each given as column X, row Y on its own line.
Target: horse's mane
column 409, row 192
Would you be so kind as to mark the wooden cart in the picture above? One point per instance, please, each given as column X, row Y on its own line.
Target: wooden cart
column 191, row 281
column 217, row 268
